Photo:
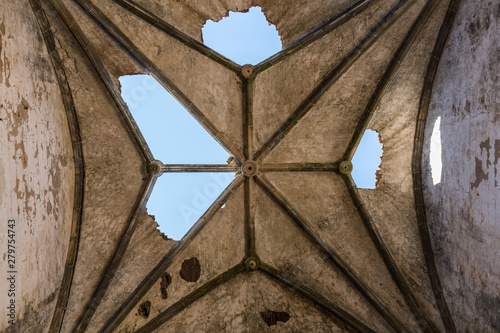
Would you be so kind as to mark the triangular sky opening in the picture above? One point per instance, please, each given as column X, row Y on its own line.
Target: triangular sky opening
column 172, row 134
column 180, row 199
column 245, row 38
column 367, row 160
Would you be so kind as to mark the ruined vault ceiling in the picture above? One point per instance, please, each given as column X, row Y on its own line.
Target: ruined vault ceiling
column 296, row 244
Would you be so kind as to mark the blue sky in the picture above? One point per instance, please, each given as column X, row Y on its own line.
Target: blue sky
column 175, row 137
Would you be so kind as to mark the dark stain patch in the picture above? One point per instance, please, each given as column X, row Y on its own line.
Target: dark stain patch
column 488, row 305
column 190, row 270
column 43, row 70
column 144, row 309
column 487, row 146
column 166, row 280
column 467, row 106
column 32, row 319
column 48, row 208
column 480, row 175
column 497, row 157
column 6, row 69
column 272, row 317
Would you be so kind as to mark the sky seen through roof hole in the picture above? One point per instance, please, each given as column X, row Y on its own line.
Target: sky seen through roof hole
column 178, row 200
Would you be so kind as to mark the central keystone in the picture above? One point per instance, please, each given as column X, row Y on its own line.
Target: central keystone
column 249, row 168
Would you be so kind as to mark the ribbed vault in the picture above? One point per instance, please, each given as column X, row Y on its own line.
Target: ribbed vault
column 295, row 235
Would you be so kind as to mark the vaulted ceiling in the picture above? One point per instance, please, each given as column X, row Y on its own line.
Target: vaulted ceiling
column 291, row 244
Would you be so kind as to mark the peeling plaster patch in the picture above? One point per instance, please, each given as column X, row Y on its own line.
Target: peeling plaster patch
column 480, row 175
column 166, row 280
column 489, row 304
column 497, row 156
column 190, row 270
column 436, row 159
column 483, row 163
column 272, row 317
column 144, row 309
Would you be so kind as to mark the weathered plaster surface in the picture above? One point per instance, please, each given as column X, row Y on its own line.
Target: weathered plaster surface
column 463, row 209
column 282, row 244
column 218, row 247
column 36, row 170
column 336, row 115
column 236, row 307
column 146, row 249
column 294, row 78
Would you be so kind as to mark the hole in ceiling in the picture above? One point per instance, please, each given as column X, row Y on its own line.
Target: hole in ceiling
column 366, row 160
column 178, row 200
column 435, row 153
column 245, row 38
column 172, row 134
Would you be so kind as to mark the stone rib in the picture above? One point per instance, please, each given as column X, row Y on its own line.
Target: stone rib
column 416, row 164
column 167, row 260
column 76, row 142
column 300, row 167
column 100, row 291
column 314, row 35
column 333, row 77
column 333, row 256
column 180, row 305
column 417, row 310
column 170, row 30
column 334, row 309
column 154, row 71
column 167, row 168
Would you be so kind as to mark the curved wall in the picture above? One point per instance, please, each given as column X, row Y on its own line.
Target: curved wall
column 36, row 171
column 463, row 208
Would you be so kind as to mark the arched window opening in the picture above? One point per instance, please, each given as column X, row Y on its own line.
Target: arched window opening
column 435, row 153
